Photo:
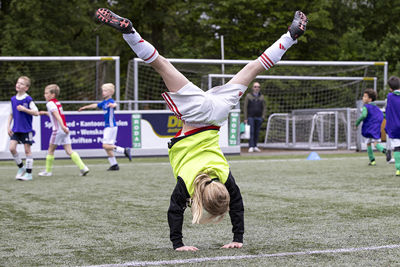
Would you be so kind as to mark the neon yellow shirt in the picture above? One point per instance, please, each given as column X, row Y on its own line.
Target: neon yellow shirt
column 198, row 153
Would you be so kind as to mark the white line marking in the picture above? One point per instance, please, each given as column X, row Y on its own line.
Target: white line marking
column 167, row 163
column 224, row 258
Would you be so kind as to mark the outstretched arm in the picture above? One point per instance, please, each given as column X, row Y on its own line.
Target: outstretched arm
column 91, row 106
column 176, row 209
column 236, row 212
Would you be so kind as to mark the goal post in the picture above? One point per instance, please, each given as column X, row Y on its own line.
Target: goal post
column 315, row 78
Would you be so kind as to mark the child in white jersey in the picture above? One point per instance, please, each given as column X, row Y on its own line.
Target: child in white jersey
column 108, row 105
column 60, row 134
column 199, row 166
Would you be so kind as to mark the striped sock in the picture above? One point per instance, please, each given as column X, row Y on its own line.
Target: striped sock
column 29, row 164
column 275, row 52
column 18, row 160
column 142, row 48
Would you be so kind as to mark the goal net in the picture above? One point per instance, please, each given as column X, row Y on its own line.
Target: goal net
column 317, row 98
column 329, row 128
column 79, row 78
column 144, row 86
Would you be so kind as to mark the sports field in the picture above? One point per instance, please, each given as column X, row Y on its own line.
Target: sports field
column 335, row 211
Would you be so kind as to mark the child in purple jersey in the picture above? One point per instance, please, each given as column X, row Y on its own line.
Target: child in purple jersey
column 372, row 118
column 21, row 132
column 108, row 105
column 393, row 119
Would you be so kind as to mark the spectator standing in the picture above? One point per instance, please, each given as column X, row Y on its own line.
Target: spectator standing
column 254, row 114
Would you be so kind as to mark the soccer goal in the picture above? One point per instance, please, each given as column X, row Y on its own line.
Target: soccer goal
column 330, row 128
column 80, row 78
column 144, row 86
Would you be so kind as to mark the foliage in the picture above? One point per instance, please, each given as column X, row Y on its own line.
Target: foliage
column 338, row 30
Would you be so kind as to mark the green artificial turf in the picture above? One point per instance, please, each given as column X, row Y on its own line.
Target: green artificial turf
column 291, row 205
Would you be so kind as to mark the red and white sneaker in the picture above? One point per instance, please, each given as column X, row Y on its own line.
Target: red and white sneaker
column 298, row 26
column 109, row 18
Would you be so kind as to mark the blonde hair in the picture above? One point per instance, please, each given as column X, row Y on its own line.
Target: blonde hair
column 27, row 80
column 210, row 195
column 53, row 89
column 108, row 86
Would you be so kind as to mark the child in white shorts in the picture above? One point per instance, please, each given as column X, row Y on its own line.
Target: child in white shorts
column 60, row 138
column 110, row 131
column 60, row 134
column 199, row 166
column 198, row 108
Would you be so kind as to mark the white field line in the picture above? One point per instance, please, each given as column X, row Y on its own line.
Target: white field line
column 167, row 163
column 224, row 258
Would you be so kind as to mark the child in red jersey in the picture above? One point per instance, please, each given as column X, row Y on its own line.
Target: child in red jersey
column 60, row 134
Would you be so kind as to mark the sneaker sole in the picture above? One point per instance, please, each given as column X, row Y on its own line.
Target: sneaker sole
column 23, row 179
column 128, row 155
column 84, row 173
column 300, row 25
column 108, row 17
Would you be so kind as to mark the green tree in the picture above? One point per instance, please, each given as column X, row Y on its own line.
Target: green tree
column 337, row 30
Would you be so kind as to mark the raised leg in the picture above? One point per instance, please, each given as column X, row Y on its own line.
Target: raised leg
column 173, row 79
column 274, row 53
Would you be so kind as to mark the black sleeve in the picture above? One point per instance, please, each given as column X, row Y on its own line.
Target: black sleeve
column 236, row 209
column 176, row 209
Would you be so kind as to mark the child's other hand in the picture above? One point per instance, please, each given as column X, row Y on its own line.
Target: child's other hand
column 21, row 108
column 187, row 248
column 42, row 113
column 10, row 132
column 112, row 105
column 65, row 129
column 80, row 109
column 233, row 245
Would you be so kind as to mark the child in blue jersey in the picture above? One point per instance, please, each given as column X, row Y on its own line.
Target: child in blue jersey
column 372, row 118
column 21, row 132
column 203, row 177
column 392, row 127
column 110, row 126
column 393, row 83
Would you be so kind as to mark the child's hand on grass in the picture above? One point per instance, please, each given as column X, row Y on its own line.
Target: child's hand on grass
column 233, row 245
column 187, row 248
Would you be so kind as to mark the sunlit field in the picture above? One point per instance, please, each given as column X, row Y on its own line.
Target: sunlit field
column 335, row 211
